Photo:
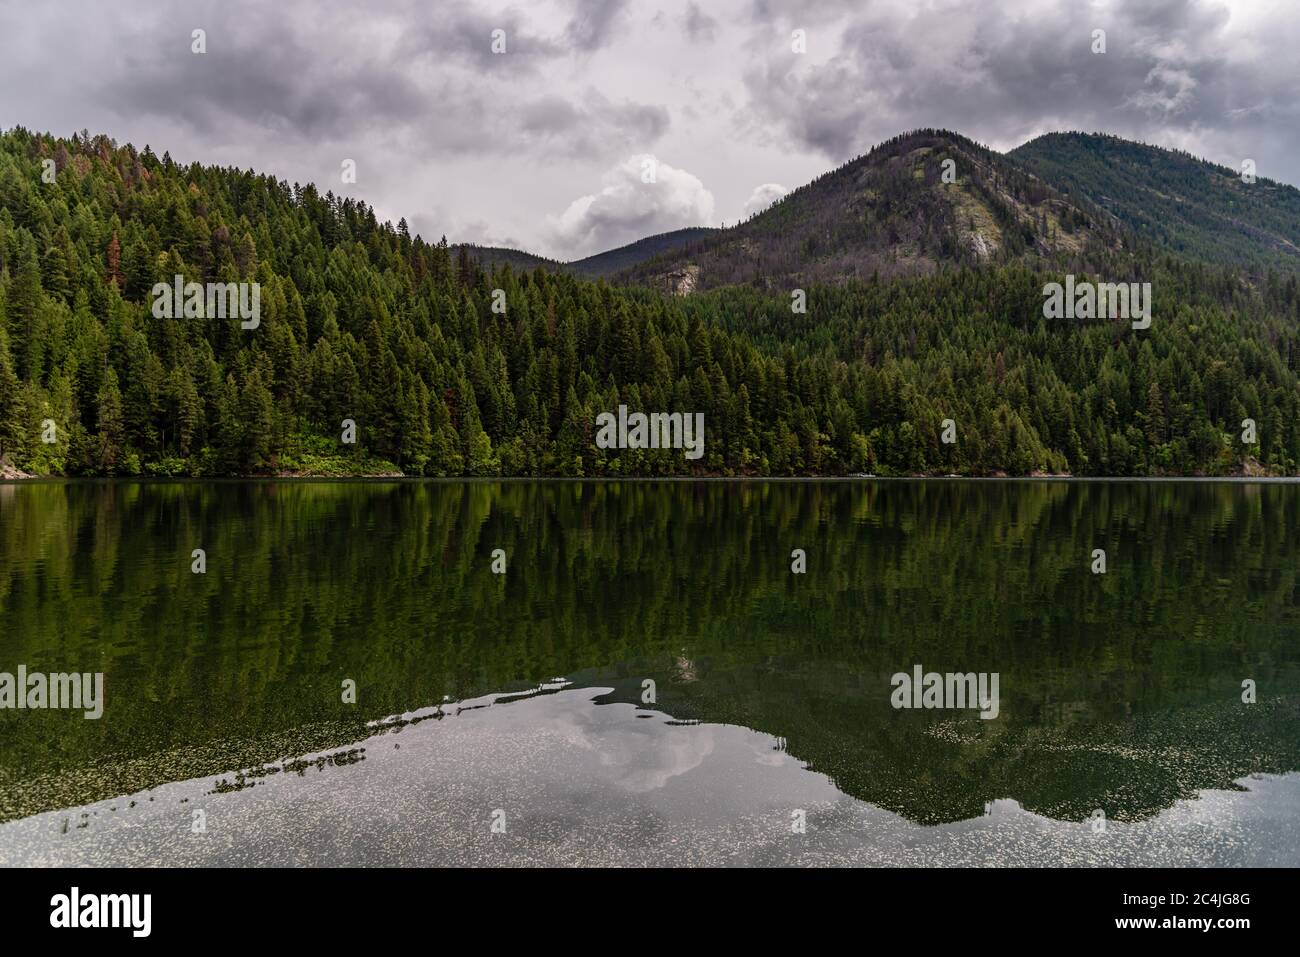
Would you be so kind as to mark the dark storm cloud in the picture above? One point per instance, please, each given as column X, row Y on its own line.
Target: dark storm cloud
column 464, row 35
column 1004, row 73
column 594, row 23
column 427, row 82
column 282, row 85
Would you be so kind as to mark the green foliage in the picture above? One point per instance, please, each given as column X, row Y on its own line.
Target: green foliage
column 360, row 321
column 1185, row 204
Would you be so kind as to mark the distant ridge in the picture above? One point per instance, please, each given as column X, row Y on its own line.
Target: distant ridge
column 597, row 266
column 625, row 257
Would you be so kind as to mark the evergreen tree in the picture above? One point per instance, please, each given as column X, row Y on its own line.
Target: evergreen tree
column 110, row 426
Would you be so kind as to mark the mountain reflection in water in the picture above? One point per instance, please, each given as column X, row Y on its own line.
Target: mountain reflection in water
column 1120, row 693
column 573, row 782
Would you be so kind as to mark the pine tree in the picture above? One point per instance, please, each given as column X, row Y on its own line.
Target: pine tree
column 189, row 410
column 257, row 415
column 110, row 425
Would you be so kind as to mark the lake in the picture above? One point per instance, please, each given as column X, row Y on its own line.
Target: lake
column 638, row 676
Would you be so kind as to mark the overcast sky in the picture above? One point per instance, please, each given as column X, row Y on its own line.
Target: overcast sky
column 542, row 147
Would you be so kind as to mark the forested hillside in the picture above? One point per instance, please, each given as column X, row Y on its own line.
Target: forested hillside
column 361, row 321
column 1185, row 204
column 489, row 257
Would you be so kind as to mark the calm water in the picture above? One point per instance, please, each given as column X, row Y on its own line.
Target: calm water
column 518, row 698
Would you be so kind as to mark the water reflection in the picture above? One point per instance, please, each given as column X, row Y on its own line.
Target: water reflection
column 1119, row 691
column 573, row 782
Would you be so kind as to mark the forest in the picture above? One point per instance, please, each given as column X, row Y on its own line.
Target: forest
column 1236, row 216
column 362, row 321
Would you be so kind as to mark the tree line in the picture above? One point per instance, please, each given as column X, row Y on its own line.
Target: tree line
column 362, row 321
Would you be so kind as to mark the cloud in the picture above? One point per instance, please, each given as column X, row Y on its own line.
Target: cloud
column 459, row 31
column 1167, row 90
column 480, row 232
column 321, row 76
column 461, row 34
column 1186, row 73
column 699, row 26
column 762, row 197
column 594, row 23
column 582, row 128
column 244, row 78
column 800, row 11
column 627, row 208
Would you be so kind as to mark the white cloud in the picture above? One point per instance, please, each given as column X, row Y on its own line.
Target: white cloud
column 628, row 208
column 762, row 197
column 1169, row 90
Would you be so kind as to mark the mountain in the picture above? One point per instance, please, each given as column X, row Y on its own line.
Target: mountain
column 1079, row 201
column 894, row 212
column 1185, row 204
column 626, row 257
column 592, row 267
